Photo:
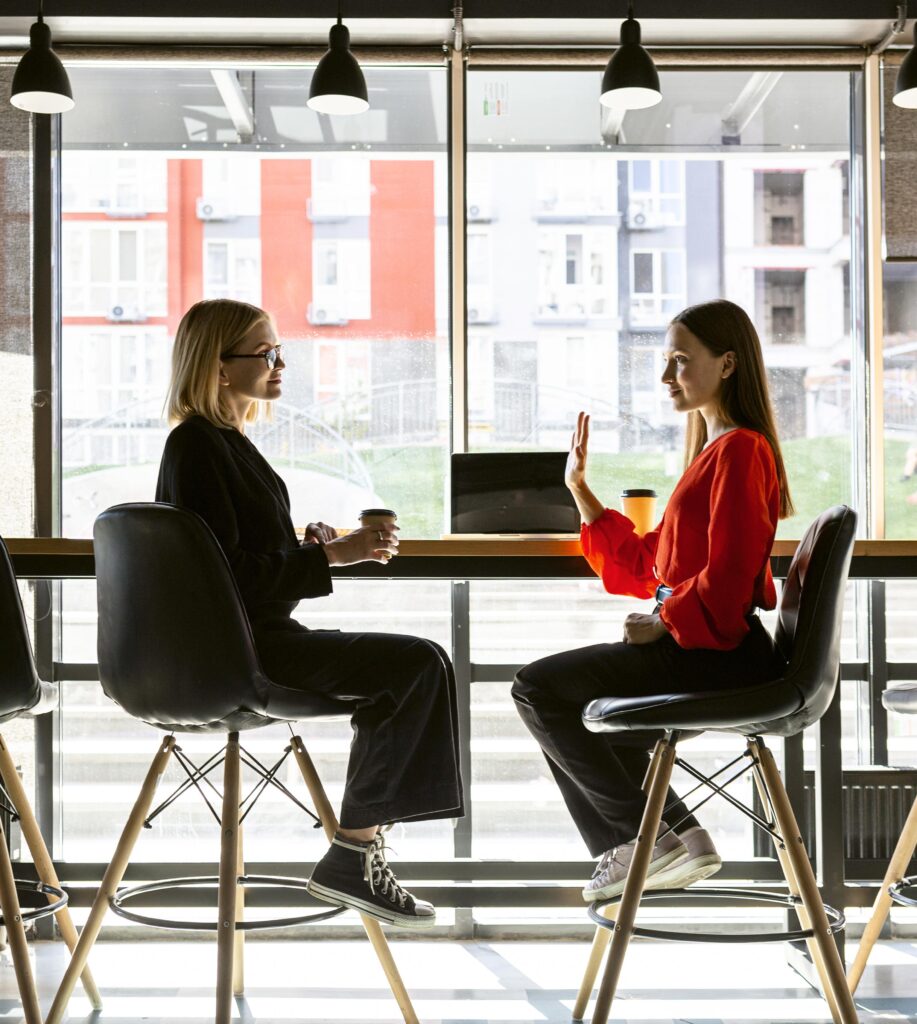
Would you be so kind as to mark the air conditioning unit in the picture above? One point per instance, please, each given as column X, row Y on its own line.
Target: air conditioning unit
column 325, row 315
column 641, row 217
column 126, row 315
column 214, row 209
column 480, row 210
column 481, row 313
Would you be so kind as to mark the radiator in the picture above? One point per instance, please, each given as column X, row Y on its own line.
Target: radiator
column 876, row 803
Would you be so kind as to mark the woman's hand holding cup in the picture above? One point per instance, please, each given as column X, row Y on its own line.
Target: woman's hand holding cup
column 365, row 544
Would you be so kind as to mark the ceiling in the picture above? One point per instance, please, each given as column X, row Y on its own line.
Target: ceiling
column 486, row 22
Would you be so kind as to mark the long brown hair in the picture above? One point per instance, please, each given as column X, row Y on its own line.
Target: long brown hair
column 722, row 326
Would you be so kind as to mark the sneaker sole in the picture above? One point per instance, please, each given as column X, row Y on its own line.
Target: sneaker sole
column 680, row 876
column 342, row 899
column 616, row 888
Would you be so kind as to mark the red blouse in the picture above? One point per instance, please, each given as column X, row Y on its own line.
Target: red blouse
column 712, row 547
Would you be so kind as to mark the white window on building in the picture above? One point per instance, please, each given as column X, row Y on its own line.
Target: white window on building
column 231, row 186
column 575, row 187
column 656, row 194
column 115, row 183
column 341, row 285
column 115, row 271
column 575, row 271
column 112, row 369
column 340, row 187
column 232, row 269
column 658, row 286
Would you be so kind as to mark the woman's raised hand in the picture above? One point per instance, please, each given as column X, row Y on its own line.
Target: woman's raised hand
column 575, row 473
column 366, row 544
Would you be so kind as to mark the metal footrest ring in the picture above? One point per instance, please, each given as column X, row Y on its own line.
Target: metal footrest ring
column 836, row 919
column 61, row 899
column 122, row 896
column 899, row 896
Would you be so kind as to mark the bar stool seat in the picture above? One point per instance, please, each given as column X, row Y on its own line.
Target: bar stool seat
column 24, row 693
column 896, row 884
column 808, row 637
column 176, row 651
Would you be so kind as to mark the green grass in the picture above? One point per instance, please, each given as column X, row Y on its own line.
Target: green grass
column 410, row 480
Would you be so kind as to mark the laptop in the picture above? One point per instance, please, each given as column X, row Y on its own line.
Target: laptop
column 512, row 493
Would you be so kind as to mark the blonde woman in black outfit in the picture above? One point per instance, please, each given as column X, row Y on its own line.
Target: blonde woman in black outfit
column 404, row 756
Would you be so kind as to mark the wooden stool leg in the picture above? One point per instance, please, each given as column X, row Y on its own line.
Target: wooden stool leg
column 228, row 888
column 661, row 773
column 599, row 944
column 827, row 957
column 793, row 885
column 238, row 952
column 110, row 881
column 897, row 868
column 15, row 934
column 42, row 860
column 371, row 925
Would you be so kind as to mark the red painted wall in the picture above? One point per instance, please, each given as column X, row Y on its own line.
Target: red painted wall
column 286, row 244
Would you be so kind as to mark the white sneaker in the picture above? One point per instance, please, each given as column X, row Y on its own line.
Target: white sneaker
column 611, row 873
column 702, row 861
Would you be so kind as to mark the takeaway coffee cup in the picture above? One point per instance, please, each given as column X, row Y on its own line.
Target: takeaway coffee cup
column 640, row 508
column 379, row 518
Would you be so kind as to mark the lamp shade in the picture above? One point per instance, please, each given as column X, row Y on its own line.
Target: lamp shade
column 40, row 83
column 906, row 82
column 338, row 85
column 631, row 81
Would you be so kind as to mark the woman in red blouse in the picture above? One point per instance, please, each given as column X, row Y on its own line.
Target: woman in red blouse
column 707, row 564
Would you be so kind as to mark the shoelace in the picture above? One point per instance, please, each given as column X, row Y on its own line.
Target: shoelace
column 378, row 874
column 603, row 866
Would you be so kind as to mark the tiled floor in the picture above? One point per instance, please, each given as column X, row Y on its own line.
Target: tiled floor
column 463, row 983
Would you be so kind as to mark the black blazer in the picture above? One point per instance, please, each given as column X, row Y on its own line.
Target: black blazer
column 219, row 474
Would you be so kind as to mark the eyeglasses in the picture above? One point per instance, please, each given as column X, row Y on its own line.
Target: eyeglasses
column 270, row 356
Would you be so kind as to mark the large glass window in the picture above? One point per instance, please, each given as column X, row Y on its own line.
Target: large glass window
column 613, row 232
column 329, row 224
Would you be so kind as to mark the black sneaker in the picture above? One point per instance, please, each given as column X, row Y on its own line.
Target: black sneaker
column 356, row 875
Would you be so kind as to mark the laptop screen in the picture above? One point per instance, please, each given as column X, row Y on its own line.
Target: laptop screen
column 511, row 492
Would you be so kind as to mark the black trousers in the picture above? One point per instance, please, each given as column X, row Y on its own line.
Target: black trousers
column 600, row 775
column 404, row 757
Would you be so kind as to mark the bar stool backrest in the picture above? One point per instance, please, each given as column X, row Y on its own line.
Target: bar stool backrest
column 175, row 646
column 20, row 687
column 808, row 630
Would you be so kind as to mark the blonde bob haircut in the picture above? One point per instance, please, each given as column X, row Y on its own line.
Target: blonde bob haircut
column 208, row 330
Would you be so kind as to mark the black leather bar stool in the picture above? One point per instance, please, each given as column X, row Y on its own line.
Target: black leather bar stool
column 903, row 700
column 808, row 635
column 176, row 651
column 22, row 692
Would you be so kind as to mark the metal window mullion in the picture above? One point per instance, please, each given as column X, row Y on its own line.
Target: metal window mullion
column 46, row 424
column 874, row 312
column 457, row 245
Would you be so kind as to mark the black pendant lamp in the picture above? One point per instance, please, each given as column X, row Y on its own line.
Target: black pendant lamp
column 906, row 82
column 40, row 83
column 338, row 85
column 631, row 81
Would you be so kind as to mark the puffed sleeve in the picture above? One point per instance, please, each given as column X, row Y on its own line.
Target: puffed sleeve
column 708, row 610
column 622, row 560
column 194, row 473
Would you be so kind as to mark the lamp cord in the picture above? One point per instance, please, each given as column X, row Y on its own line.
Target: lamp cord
column 339, row 12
